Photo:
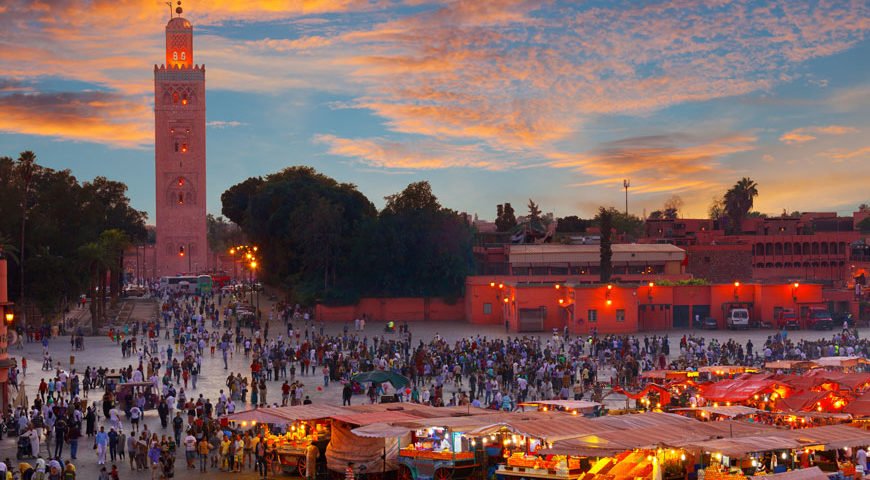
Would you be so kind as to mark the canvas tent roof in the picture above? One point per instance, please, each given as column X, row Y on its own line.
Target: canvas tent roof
column 380, row 430
column 742, row 446
column 726, row 411
column 285, row 415
column 860, row 407
column 790, row 364
column 805, row 400
column 737, row 390
column 841, row 362
column 832, row 436
column 568, row 404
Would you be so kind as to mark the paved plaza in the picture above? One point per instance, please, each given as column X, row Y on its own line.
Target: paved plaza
column 100, row 351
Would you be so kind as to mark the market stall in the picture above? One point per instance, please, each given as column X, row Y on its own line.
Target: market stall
column 438, row 453
column 300, row 433
column 376, row 457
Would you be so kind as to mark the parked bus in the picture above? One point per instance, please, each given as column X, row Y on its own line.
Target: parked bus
column 204, row 284
column 179, row 284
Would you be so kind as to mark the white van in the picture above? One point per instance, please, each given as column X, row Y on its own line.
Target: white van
column 737, row 318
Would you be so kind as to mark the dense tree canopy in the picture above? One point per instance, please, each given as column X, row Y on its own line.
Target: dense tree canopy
column 60, row 216
column 505, row 219
column 325, row 241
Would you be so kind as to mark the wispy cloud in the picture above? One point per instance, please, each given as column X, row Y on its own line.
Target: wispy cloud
column 425, row 155
column 844, row 154
column 224, row 124
column 657, row 163
column 807, row 134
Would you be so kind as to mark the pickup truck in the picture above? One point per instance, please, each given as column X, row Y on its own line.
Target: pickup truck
column 819, row 318
column 786, row 318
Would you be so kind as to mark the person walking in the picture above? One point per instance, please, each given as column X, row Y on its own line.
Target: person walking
column 101, row 441
column 113, row 444
column 202, row 448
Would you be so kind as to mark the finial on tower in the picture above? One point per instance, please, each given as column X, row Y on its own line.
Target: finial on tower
column 178, row 9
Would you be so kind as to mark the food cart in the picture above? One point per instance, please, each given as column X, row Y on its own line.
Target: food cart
column 300, row 433
column 438, row 453
column 511, row 448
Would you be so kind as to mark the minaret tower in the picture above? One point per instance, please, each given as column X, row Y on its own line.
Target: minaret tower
column 179, row 154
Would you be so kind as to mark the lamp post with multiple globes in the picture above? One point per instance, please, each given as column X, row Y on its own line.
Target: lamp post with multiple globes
column 247, row 254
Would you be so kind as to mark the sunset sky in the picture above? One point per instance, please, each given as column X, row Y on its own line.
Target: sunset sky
column 489, row 100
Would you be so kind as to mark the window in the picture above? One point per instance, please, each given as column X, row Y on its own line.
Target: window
column 176, row 146
column 175, row 55
column 620, row 315
column 175, row 98
column 593, row 316
column 181, row 199
column 184, row 55
column 183, row 148
column 487, row 309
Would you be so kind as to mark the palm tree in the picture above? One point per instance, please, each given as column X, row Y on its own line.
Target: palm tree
column 114, row 242
column 7, row 249
column 95, row 260
column 26, row 164
column 739, row 200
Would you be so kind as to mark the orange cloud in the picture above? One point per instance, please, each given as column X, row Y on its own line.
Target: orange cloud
column 657, row 163
column 87, row 116
column 806, row 134
column 841, row 154
column 426, row 155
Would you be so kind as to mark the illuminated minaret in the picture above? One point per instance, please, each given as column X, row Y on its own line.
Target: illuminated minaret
column 179, row 154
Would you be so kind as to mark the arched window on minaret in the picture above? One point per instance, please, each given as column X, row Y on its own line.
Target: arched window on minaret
column 175, row 97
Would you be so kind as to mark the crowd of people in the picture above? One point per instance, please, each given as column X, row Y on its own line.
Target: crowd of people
column 165, row 358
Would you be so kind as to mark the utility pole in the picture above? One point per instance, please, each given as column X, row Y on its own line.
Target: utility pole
column 625, row 184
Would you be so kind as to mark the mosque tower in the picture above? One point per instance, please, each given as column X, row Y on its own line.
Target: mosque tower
column 179, row 154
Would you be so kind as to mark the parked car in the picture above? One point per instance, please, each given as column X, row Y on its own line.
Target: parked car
column 737, row 318
column 709, row 323
column 786, row 318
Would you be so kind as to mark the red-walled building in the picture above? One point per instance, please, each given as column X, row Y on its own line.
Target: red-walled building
column 622, row 308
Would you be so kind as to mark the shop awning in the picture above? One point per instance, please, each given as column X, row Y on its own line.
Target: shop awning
column 790, row 365
column 566, row 404
column 737, row 390
column 860, row 407
column 725, row 411
column 831, row 436
column 841, row 362
column 812, row 473
column 847, row 381
column 380, row 430
column 374, row 417
column 725, row 369
column 742, row 446
column 286, row 415
column 806, row 400
column 464, row 424
column 550, row 430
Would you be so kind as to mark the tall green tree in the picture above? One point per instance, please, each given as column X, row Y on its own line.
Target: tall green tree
column 534, row 211
column 739, row 200
column 628, row 225
column 605, row 223
column 62, row 215
column 506, row 219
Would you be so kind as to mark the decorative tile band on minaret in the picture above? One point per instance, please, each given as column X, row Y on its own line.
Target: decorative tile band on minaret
column 179, row 154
